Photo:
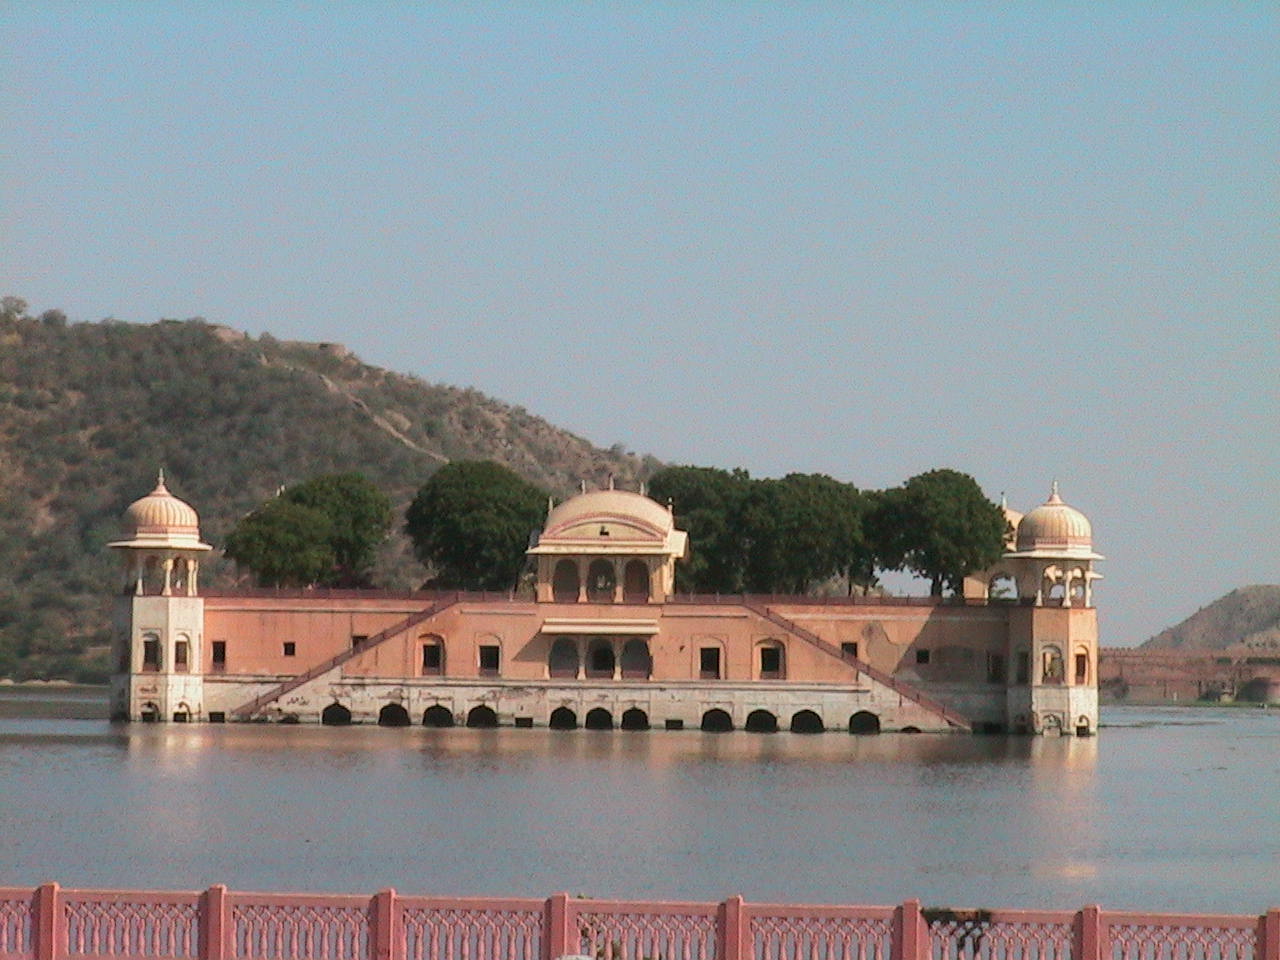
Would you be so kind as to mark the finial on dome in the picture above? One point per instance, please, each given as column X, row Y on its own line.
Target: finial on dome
column 611, row 481
column 1053, row 494
column 644, row 489
column 1004, row 501
column 551, row 504
column 582, row 486
column 160, row 487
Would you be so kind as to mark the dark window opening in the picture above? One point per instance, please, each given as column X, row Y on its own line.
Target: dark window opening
column 524, row 723
column 484, row 717
column 1082, row 667
column 922, row 656
column 489, row 660
column 562, row 718
column 770, row 663
column 290, row 648
column 393, row 715
column 709, row 663
column 864, row 723
column 634, row 719
column 600, row 660
column 219, row 656
column 717, row 721
column 358, row 638
column 598, row 719
column 807, row 721
column 761, row 721
column 181, row 716
column 432, row 660
column 995, row 668
column 217, row 716
column 849, row 650
column 673, row 724
column 150, row 656
column 335, row 715
column 563, row 659
column 437, row 716
column 180, row 654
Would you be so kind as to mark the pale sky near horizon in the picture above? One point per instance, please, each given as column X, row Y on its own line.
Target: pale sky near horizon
column 1027, row 241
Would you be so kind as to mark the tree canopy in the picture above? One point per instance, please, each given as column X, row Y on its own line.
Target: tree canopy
column 324, row 531
column 470, row 523
column 940, row 526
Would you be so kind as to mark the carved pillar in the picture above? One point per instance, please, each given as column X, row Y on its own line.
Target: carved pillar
column 167, row 590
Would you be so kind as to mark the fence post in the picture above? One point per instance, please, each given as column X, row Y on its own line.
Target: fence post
column 50, row 923
column 383, row 942
column 1088, row 934
column 555, row 934
column 1268, row 947
column 734, row 931
column 910, row 934
column 215, row 926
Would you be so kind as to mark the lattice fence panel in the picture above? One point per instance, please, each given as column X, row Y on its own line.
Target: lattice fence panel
column 1172, row 941
column 779, row 937
column 118, row 927
column 980, row 938
column 640, row 935
column 275, row 931
column 464, row 934
column 16, row 939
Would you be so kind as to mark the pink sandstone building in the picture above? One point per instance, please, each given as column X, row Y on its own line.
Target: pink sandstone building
column 605, row 641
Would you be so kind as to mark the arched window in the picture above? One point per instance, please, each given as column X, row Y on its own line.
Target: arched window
column 1081, row 664
column 600, row 659
column 771, row 657
column 717, row 721
column 432, row 655
column 761, row 721
column 150, row 653
column 482, row 717
column 437, row 716
column 564, row 582
column 1051, row 666
column 598, row 719
column 182, row 654
column 562, row 661
column 600, row 581
column 1002, row 588
column 635, row 582
column 636, row 662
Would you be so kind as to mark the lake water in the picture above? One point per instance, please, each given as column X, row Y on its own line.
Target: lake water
column 1168, row 810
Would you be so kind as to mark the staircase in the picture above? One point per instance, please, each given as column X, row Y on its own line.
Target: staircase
column 903, row 690
column 247, row 710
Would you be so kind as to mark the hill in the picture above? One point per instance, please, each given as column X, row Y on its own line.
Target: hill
column 1248, row 617
column 90, row 411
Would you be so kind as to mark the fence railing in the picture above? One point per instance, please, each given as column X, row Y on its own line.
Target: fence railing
column 49, row 923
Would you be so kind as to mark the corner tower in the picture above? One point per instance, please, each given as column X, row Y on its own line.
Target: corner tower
column 159, row 620
column 1054, row 630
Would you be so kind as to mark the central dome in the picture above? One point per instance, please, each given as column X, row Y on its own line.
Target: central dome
column 633, row 510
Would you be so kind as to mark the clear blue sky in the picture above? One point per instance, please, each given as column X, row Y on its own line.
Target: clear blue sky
column 1027, row 241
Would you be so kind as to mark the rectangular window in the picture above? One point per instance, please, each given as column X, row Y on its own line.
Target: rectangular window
column 431, row 660
column 995, row 668
column 1024, row 667
column 150, row 655
column 217, row 716
column 770, row 663
column 922, row 656
column 709, row 663
column 1082, row 667
column 849, row 650
column 290, row 648
column 358, row 638
column 180, row 657
column 489, row 660
column 219, row 656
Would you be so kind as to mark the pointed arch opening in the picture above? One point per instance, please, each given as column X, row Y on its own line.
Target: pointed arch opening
column 600, row 659
column 717, row 721
column 562, row 718
column 864, row 723
column 335, row 715
column 564, row 582
column 636, row 662
column 601, row 581
column 598, row 719
column 634, row 719
column 393, row 715
column 438, row 716
column 482, row 716
column 635, row 582
column 806, row 721
column 562, row 660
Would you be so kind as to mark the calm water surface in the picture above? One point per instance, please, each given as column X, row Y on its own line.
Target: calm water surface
column 1169, row 810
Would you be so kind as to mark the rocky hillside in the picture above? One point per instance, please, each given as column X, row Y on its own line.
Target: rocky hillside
column 1248, row 617
column 89, row 412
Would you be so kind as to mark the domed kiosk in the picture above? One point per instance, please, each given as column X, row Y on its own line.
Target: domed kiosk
column 158, row 636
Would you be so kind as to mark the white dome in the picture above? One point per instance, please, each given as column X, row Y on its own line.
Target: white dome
column 161, row 520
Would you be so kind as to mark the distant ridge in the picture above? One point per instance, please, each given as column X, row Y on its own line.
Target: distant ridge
column 90, row 411
column 1247, row 617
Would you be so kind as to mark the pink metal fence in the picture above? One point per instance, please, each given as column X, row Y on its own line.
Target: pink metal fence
column 50, row 923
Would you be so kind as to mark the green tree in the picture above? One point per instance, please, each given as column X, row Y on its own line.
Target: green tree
column 939, row 525
column 359, row 517
column 471, row 523
column 708, row 505
column 284, row 544
column 326, row 531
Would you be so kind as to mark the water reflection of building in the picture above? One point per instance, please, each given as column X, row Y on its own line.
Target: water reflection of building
column 604, row 641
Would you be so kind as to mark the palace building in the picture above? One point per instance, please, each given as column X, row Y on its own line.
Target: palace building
column 606, row 642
